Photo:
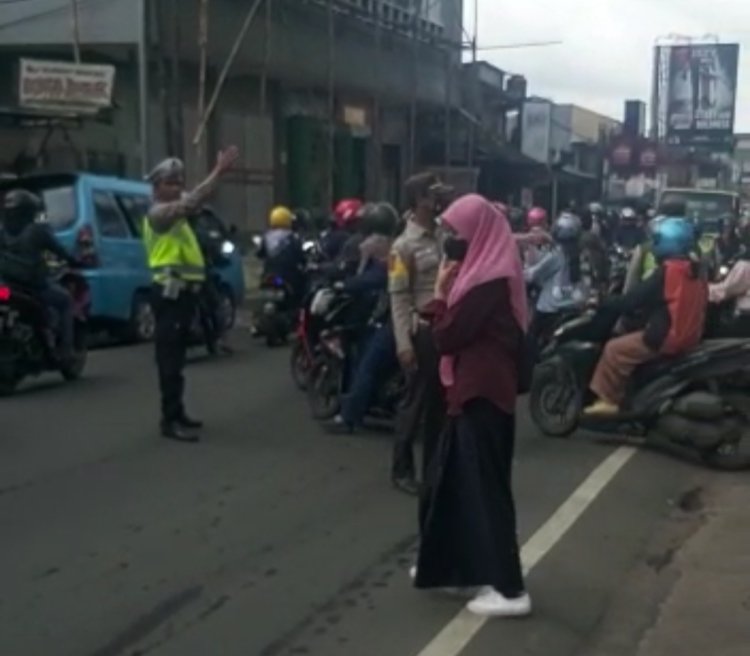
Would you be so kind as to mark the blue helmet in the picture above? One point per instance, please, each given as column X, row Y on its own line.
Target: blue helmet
column 673, row 237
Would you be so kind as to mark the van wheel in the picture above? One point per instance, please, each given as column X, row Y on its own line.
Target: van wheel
column 142, row 324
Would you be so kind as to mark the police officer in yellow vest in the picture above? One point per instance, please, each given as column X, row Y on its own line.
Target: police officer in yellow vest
column 178, row 270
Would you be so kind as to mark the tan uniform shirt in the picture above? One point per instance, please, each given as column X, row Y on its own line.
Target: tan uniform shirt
column 415, row 260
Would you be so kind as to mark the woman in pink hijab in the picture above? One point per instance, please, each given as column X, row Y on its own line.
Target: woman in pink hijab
column 479, row 323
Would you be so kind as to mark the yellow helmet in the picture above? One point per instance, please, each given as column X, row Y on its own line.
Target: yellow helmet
column 281, row 218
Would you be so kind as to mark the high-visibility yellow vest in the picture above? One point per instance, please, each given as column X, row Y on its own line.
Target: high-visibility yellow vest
column 174, row 253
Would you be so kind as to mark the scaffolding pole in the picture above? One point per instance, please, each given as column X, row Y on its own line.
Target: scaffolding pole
column 448, row 106
column 331, row 63
column 225, row 70
column 415, row 82
column 267, row 34
column 377, row 135
column 76, row 31
column 200, row 154
column 143, row 86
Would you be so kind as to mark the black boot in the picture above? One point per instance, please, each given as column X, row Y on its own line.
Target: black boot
column 173, row 430
column 187, row 422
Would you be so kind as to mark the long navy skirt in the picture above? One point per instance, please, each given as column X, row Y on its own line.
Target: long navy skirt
column 468, row 516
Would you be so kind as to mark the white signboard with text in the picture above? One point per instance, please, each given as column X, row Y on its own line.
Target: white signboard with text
column 65, row 87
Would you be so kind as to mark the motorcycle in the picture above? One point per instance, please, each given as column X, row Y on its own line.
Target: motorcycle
column 692, row 406
column 29, row 333
column 329, row 376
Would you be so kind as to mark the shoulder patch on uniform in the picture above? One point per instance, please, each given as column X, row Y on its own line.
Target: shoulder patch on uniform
column 397, row 267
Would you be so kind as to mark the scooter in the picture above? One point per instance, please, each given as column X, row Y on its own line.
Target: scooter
column 692, row 406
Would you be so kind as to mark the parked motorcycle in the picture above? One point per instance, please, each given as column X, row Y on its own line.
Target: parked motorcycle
column 29, row 333
column 692, row 406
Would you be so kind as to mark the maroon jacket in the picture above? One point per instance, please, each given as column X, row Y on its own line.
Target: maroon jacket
column 487, row 344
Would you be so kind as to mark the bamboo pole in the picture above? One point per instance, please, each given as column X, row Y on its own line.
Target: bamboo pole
column 225, row 70
column 267, row 32
column 415, row 83
column 203, row 72
column 331, row 104
column 76, row 31
column 377, row 135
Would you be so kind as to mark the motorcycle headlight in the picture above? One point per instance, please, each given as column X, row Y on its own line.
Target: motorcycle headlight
column 227, row 248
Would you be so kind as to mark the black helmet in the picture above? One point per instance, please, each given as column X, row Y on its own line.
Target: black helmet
column 21, row 207
column 379, row 219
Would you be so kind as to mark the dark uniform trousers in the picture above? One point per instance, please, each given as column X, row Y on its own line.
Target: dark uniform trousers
column 423, row 411
column 173, row 320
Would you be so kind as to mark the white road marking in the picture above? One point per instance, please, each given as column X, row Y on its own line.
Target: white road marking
column 454, row 637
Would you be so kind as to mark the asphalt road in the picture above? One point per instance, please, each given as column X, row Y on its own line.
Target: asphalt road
column 272, row 537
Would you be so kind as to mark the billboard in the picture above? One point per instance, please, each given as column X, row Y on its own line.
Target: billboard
column 536, row 130
column 698, row 93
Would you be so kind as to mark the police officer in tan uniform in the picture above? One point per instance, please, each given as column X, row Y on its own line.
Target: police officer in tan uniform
column 414, row 264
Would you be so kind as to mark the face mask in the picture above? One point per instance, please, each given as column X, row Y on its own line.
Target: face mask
column 455, row 249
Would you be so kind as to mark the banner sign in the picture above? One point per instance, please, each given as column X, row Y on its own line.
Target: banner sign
column 701, row 93
column 65, row 87
column 536, row 130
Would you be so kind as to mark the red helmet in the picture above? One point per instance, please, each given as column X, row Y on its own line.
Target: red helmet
column 347, row 212
column 536, row 218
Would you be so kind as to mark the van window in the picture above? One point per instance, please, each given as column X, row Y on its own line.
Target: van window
column 135, row 208
column 59, row 207
column 110, row 219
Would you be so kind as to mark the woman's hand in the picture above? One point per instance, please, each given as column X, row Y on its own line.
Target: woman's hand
column 445, row 278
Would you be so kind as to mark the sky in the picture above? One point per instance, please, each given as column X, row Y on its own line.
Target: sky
column 607, row 52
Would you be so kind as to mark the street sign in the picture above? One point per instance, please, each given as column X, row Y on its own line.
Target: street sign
column 65, row 87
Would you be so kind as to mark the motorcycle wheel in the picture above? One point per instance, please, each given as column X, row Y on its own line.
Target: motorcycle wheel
column 555, row 401
column 324, row 389
column 74, row 370
column 300, row 365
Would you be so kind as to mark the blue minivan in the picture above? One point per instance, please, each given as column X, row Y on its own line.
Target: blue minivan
column 99, row 219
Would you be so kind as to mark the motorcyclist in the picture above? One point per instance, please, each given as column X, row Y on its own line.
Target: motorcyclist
column 558, row 275
column 630, row 232
column 735, row 289
column 536, row 221
column 24, row 242
column 282, row 252
column 378, row 352
column 673, row 300
column 728, row 244
column 344, row 226
column 594, row 220
column 642, row 262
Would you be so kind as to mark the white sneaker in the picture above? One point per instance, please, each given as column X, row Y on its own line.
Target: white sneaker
column 490, row 603
column 413, row 572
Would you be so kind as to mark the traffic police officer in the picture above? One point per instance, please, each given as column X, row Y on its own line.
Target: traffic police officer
column 414, row 264
column 178, row 272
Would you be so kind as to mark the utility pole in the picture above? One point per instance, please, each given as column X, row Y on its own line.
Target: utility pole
column 331, row 105
column 76, row 32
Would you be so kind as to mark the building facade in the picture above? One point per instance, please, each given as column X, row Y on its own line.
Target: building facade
column 323, row 98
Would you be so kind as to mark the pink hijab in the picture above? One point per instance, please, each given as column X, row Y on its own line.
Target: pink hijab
column 492, row 254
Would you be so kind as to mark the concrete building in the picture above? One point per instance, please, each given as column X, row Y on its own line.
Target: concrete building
column 389, row 64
